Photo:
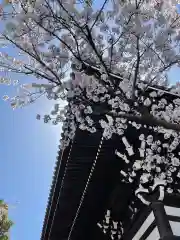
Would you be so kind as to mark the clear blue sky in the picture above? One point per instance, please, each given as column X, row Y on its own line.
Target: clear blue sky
column 28, row 150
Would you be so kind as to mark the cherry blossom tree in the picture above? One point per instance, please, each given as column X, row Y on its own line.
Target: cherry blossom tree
column 137, row 41
column 110, row 64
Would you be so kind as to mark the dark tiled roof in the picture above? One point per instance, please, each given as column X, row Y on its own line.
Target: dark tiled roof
column 57, row 178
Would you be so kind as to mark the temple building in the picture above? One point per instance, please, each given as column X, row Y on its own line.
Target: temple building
column 116, row 177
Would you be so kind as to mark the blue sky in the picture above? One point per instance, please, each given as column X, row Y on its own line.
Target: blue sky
column 28, row 151
column 178, row 8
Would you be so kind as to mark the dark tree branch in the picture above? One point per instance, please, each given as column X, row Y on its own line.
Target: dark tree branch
column 30, row 54
column 136, row 69
column 99, row 14
column 102, row 62
column 161, row 71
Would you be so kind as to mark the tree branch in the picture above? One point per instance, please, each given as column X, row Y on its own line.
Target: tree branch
column 136, row 69
column 97, row 17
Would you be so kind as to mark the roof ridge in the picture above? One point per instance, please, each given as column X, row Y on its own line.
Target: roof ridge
column 53, row 184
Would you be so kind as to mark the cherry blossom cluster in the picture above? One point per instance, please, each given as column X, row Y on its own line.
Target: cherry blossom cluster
column 110, row 227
